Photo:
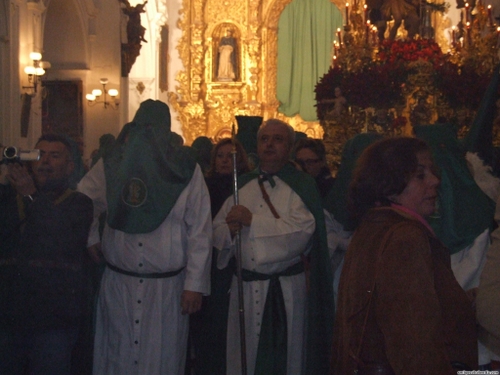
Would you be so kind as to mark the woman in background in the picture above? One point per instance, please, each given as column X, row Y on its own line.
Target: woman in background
column 400, row 309
column 211, row 336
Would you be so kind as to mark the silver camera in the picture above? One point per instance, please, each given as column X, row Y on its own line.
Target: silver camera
column 13, row 154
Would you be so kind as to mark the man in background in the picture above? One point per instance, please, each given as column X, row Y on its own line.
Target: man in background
column 44, row 227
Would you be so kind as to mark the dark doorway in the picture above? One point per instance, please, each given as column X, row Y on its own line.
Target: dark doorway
column 62, row 108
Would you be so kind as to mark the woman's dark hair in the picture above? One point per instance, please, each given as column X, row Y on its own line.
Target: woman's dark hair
column 241, row 157
column 315, row 145
column 382, row 171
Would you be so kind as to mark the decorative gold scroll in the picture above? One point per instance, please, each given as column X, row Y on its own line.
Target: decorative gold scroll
column 207, row 106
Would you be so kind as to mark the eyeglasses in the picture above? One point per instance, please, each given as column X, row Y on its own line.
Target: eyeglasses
column 307, row 161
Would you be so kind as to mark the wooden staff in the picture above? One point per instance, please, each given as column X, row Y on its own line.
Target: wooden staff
column 241, row 303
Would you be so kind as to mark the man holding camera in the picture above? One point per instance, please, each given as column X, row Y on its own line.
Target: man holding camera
column 43, row 236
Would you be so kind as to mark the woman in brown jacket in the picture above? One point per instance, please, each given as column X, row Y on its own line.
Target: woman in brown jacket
column 400, row 308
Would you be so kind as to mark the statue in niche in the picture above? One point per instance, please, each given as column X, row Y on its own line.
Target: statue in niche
column 227, row 59
column 131, row 45
column 421, row 113
column 383, row 11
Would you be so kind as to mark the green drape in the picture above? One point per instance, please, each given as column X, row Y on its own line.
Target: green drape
column 306, row 31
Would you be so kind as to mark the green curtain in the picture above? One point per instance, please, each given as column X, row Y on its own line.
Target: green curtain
column 306, row 31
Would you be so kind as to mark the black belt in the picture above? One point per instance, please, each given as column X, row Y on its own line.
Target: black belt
column 248, row 275
column 153, row 275
column 273, row 342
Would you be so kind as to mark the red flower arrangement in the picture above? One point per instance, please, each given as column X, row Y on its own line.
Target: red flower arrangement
column 463, row 87
column 411, row 50
column 376, row 84
column 380, row 83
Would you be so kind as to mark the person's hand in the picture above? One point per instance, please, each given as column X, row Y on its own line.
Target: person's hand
column 190, row 302
column 20, row 179
column 95, row 253
column 238, row 217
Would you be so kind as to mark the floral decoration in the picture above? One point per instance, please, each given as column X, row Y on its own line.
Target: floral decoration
column 462, row 87
column 411, row 50
column 380, row 83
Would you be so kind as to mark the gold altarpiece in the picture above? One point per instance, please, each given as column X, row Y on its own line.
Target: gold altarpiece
column 207, row 106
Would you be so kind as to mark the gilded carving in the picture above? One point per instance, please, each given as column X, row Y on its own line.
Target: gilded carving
column 207, row 105
column 221, row 10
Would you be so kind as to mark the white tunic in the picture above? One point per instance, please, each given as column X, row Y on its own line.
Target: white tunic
column 140, row 329
column 269, row 246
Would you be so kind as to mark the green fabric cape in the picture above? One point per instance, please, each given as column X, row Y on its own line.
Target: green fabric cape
column 464, row 210
column 248, row 126
column 479, row 138
column 336, row 200
column 145, row 171
column 320, row 314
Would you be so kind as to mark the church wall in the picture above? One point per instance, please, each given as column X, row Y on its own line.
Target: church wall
column 144, row 75
column 104, row 61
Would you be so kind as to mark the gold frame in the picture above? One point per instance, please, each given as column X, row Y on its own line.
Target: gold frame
column 207, row 107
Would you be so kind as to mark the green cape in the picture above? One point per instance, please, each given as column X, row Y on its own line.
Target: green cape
column 336, row 200
column 479, row 138
column 464, row 210
column 320, row 314
column 145, row 171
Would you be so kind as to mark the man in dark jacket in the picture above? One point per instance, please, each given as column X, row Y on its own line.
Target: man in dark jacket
column 43, row 236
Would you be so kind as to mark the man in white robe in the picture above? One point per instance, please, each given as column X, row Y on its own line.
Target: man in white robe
column 273, row 244
column 158, row 260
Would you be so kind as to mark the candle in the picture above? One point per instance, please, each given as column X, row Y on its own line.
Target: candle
column 490, row 16
column 374, row 35
column 339, row 36
column 367, row 31
column 498, row 35
column 365, row 7
column 453, row 36
column 466, row 12
column 469, row 38
column 347, row 14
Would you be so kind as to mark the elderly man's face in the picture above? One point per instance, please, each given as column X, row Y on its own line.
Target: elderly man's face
column 54, row 164
column 273, row 147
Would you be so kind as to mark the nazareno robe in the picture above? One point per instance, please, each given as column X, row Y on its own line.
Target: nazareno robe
column 270, row 246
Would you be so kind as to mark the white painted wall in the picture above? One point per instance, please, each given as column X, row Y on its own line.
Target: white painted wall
column 146, row 67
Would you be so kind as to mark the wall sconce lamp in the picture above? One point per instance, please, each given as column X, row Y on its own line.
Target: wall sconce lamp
column 92, row 99
column 35, row 71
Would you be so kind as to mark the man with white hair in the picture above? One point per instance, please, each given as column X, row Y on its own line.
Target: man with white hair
column 283, row 252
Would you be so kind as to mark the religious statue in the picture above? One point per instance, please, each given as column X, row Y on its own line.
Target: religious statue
column 131, row 42
column 421, row 113
column 227, row 62
column 382, row 120
column 383, row 11
column 339, row 103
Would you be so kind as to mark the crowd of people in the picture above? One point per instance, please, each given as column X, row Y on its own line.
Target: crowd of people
column 152, row 264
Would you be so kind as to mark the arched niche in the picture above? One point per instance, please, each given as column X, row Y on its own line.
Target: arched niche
column 63, row 17
column 227, row 34
column 206, row 106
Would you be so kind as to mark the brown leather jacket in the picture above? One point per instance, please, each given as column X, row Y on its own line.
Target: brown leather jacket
column 419, row 319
